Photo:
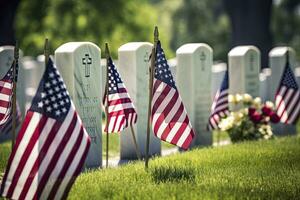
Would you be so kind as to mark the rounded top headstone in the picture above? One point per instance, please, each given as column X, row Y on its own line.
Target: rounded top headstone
column 242, row 50
column 281, row 51
column 133, row 46
column 2, row 48
column 72, row 46
column 192, row 47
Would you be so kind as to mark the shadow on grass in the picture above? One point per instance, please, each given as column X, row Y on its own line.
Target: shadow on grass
column 161, row 174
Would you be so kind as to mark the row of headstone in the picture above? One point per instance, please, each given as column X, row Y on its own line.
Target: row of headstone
column 196, row 78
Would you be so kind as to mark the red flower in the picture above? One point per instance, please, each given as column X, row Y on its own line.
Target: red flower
column 267, row 111
column 256, row 117
column 274, row 117
column 251, row 111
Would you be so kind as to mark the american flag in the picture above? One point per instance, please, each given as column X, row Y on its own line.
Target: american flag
column 220, row 106
column 287, row 98
column 7, row 127
column 6, row 93
column 51, row 146
column 121, row 111
column 170, row 121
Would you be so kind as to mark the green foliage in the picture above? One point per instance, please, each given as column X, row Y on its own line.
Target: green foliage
column 114, row 21
column 201, row 21
column 286, row 24
column 252, row 170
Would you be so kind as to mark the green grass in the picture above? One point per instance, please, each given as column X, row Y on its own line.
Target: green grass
column 114, row 145
column 253, row 170
column 5, row 149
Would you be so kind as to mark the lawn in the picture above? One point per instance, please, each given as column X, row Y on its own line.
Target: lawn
column 253, row 170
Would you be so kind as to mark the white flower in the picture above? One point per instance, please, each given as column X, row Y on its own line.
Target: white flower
column 270, row 104
column 257, row 102
column 238, row 98
column 231, row 98
column 247, row 98
column 226, row 123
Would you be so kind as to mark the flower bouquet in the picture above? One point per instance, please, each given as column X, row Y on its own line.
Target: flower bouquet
column 251, row 121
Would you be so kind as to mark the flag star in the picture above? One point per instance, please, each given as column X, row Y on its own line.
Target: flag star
column 43, row 94
column 57, row 113
column 50, row 91
column 47, row 85
column 54, row 81
column 115, row 88
column 53, row 98
column 56, row 89
column 64, row 110
column 59, row 95
column 67, row 100
column 62, row 103
column 47, row 101
column 55, row 105
column 40, row 104
column 51, row 74
column 49, row 109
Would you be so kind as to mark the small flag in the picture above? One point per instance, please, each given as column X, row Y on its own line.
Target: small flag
column 170, row 121
column 7, row 127
column 6, row 93
column 287, row 98
column 121, row 111
column 220, row 106
column 51, row 146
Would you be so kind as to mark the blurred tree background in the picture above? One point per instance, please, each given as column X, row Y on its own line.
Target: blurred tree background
column 119, row 22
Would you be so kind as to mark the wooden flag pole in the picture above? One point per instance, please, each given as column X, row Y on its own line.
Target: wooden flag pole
column 151, row 72
column 106, row 107
column 138, row 154
column 14, row 97
column 46, row 51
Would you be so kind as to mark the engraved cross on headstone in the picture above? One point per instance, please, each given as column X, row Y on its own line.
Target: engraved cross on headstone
column 146, row 60
column 146, row 57
column 202, row 59
column 251, row 62
column 87, row 61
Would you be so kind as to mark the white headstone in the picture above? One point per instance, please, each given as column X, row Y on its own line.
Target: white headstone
column 6, row 60
column 218, row 72
column 30, row 76
column 194, row 64
column 244, row 68
column 297, row 74
column 173, row 64
column 265, row 84
column 134, row 70
column 277, row 60
column 79, row 65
